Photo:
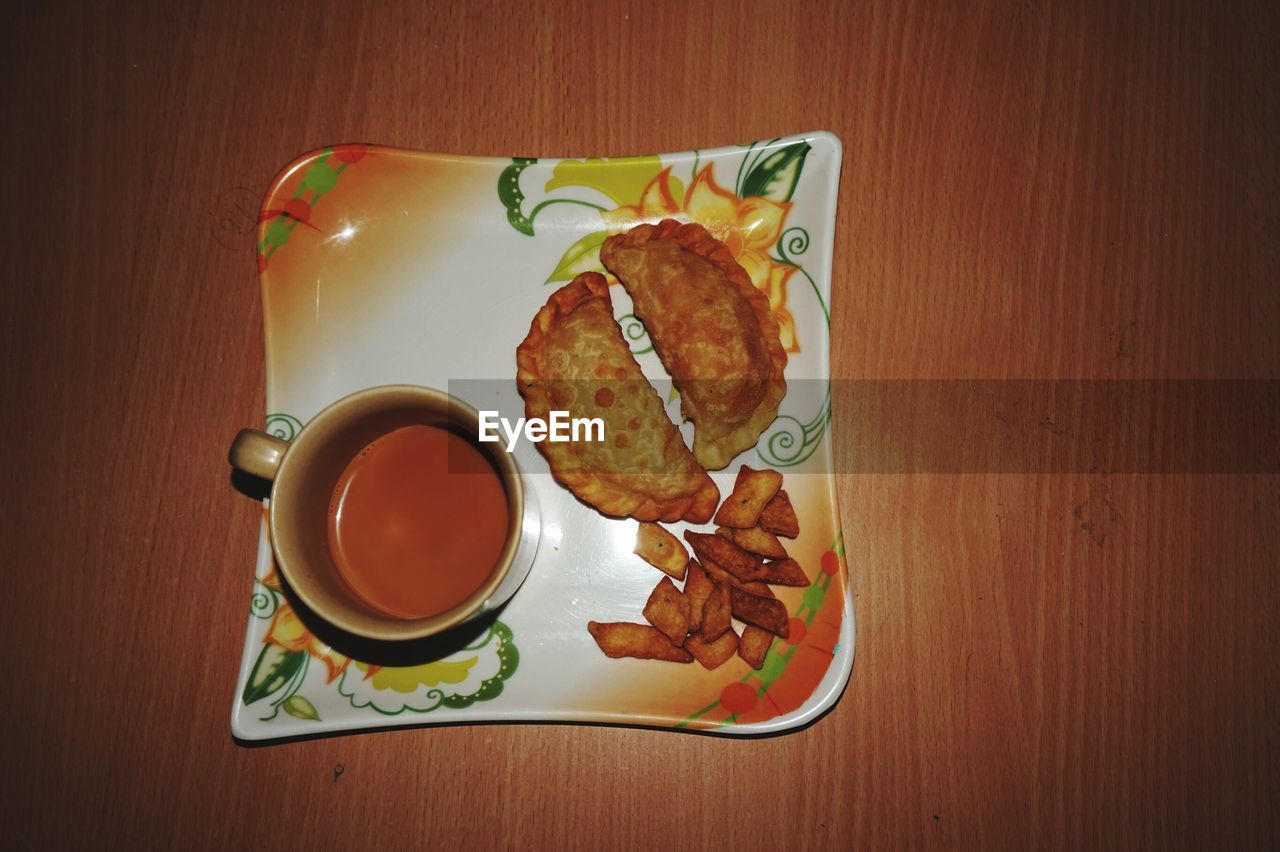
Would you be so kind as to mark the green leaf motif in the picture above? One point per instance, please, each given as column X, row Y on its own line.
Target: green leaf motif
column 509, row 661
column 511, row 196
column 775, row 177
column 774, row 663
column 274, row 668
column 582, row 256
column 320, row 177
column 813, row 597
column 300, row 708
column 277, row 234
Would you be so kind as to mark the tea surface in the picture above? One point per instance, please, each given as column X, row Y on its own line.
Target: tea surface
column 417, row 521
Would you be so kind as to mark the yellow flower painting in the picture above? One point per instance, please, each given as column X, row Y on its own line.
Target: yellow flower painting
column 749, row 227
column 749, row 221
column 474, row 673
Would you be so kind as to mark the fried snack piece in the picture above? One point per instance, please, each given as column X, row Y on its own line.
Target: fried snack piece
column 726, row 554
column 668, row 610
column 662, row 550
column 716, row 612
column 623, row 639
column 697, row 588
column 752, row 490
column 574, row 359
column 755, row 540
column 779, row 518
column 784, row 572
column 719, row 575
column 768, row 613
column 712, row 655
column 712, row 328
column 753, row 645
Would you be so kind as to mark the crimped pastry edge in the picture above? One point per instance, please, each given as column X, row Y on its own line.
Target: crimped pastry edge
column 606, row 497
column 715, row 449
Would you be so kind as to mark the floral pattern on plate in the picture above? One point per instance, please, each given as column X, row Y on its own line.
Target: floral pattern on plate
column 362, row 255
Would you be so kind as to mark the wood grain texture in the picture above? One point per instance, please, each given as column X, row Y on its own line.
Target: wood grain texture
column 1030, row 190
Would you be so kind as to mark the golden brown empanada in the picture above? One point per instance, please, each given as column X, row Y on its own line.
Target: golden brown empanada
column 574, row 359
column 710, row 326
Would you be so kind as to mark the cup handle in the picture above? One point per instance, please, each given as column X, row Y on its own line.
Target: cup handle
column 257, row 453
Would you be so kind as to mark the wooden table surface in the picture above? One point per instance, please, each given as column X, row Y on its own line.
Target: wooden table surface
column 1033, row 190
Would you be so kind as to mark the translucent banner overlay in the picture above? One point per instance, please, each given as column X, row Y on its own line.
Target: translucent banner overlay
column 972, row 426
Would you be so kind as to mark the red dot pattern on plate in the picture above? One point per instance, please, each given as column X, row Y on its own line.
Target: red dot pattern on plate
column 796, row 631
column 296, row 208
column 830, row 562
column 349, row 153
column 738, row 698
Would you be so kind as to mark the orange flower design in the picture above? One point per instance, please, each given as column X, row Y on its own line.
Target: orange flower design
column 288, row 632
column 749, row 227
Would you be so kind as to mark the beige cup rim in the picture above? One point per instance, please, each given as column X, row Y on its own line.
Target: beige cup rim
column 388, row 627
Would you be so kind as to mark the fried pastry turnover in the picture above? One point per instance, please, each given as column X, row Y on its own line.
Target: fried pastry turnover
column 712, row 329
column 575, row 359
